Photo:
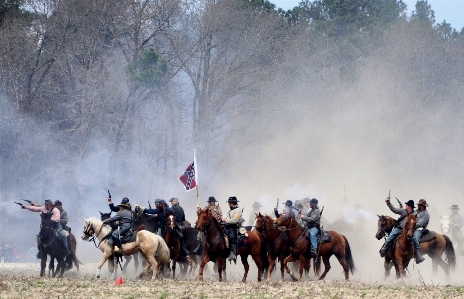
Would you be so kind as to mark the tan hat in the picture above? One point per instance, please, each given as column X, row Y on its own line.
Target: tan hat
column 422, row 202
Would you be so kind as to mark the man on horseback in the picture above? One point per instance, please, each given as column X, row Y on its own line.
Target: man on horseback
column 63, row 215
column 400, row 223
column 422, row 221
column 116, row 209
column 124, row 217
column 256, row 206
column 456, row 224
column 180, row 221
column 55, row 218
column 216, row 212
column 312, row 220
column 232, row 222
column 290, row 209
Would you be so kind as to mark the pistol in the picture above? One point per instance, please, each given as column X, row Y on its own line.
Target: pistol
column 18, row 203
column 401, row 205
column 26, row 200
column 109, row 194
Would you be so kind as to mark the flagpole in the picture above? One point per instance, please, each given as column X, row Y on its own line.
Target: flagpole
column 196, row 178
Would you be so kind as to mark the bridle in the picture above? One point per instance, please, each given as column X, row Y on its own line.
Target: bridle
column 283, row 228
column 89, row 232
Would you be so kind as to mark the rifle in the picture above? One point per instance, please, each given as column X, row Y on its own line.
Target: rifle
column 149, row 205
column 401, row 205
column 277, row 206
column 320, row 233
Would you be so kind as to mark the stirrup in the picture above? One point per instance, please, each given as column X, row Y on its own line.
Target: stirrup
column 116, row 249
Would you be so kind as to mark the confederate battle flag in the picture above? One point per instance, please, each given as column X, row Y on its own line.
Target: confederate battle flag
column 188, row 177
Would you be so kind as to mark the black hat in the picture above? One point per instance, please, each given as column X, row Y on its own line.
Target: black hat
column 288, row 203
column 58, row 203
column 157, row 200
column 232, row 199
column 314, row 201
column 125, row 203
column 125, row 200
column 212, row 199
column 455, row 207
column 162, row 202
column 410, row 203
column 174, row 198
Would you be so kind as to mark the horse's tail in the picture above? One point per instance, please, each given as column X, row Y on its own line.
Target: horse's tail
column 264, row 257
column 317, row 266
column 450, row 254
column 349, row 256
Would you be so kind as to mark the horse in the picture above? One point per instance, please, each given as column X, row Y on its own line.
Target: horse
column 50, row 244
column 433, row 248
column 51, row 265
column 154, row 250
column 216, row 249
column 173, row 242
column 339, row 247
column 127, row 259
column 146, row 222
column 277, row 246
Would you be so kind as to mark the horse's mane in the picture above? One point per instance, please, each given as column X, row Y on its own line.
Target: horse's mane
column 105, row 228
column 214, row 220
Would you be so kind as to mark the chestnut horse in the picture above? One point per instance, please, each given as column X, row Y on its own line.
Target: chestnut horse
column 173, row 242
column 277, row 246
column 215, row 245
column 433, row 248
column 339, row 247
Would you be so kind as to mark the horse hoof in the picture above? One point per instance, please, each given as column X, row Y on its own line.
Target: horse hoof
column 98, row 276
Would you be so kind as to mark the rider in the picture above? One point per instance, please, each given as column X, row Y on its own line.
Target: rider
column 456, row 224
column 113, row 208
column 216, row 212
column 180, row 219
column 422, row 222
column 290, row 210
column 232, row 222
column 63, row 215
column 256, row 206
column 55, row 218
column 312, row 221
column 399, row 224
column 124, row 216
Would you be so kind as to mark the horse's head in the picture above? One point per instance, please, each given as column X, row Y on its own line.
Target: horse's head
column 138, row 211
column 104, row 216
column 171, row 221
column 284, row 221
column 410, row 225
column 384, row 226
column 260, row 223
column 89, row 230
column 445, row 224
column 204, row 220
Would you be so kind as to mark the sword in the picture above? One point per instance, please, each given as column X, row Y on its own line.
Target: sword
column 320, row 235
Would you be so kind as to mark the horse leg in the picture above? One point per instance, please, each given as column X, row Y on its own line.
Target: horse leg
column 174, row 262
column 105, row 257
column 271, row 260
column 443, row 265
column 325, row 260
column 387, row 266
column 136, row 261
column 302, row 261
column 51, row 267
column 346, row 268
column 246, row 266
column 202, row 266
column 127, row 260
column 220, row 263
column 287, row 268
column 147, row 267
column 61, row 266
column 43, row 264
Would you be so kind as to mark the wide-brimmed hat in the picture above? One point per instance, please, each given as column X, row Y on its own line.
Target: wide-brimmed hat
column 162, row 202
column 125, row 205
column 174, row 198
column 422, row 202
column 314, row 201
column 232, row 199
column 288, row 203
column 410, row 203
column 298, row 203
column 211, row 199
column 305, row 200
column 257, row 204
column 454, row 207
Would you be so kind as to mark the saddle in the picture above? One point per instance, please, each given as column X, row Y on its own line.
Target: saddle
column 129, row 237
column 427, row 235
column 325, row 237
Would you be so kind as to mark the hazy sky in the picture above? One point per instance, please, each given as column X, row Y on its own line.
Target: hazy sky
column 449, row 10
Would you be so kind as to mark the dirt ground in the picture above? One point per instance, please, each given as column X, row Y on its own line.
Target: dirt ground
column 20, row 280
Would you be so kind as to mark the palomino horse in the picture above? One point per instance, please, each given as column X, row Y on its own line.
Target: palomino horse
column 277, row 246
column 173, row 242
column 215, row 245
column 339, row 247
column 154, row 250
column 104, row 216
column 433, row 248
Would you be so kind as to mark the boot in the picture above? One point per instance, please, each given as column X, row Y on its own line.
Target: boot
column 384, row 249
column 417, row 255
column 117, row 246
column 198, row 249
column 233, row 249
column 313, row 251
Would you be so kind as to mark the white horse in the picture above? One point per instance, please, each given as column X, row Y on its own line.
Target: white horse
column 153, row 248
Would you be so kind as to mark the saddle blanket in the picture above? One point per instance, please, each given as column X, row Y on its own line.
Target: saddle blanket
column 244, row 242
column 427, row 235
column 325, row 237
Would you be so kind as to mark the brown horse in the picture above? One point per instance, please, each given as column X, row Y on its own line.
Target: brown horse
column 173, row 242
column 433, row 248
column 215, row 247
column 277, row 246
column 51, row 265
column 339, row 247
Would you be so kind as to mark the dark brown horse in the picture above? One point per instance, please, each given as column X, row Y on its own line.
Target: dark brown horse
column 277, row 246
column 173, row 242
column 216, row 250
column 339, row 247
column 433, row 248
column 51, row 265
